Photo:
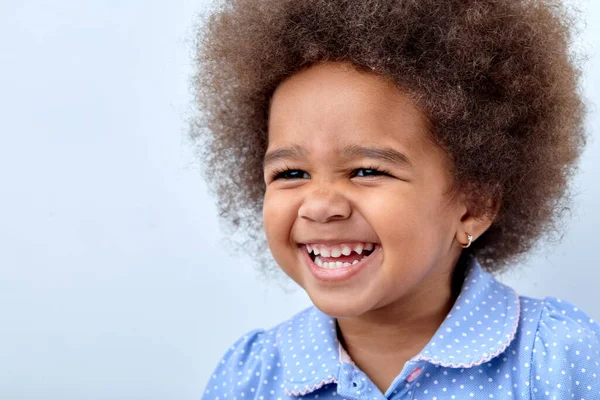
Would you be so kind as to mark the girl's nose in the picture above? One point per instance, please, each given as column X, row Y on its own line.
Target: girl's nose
column 325, row 205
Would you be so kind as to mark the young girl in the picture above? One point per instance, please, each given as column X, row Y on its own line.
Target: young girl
column 397, row 153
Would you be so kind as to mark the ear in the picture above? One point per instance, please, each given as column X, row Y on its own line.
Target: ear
column 478, row 215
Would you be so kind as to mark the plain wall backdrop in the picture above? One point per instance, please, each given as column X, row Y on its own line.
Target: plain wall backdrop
column 114, row 280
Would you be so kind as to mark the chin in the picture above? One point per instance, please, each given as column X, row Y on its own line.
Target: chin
column 337, row 307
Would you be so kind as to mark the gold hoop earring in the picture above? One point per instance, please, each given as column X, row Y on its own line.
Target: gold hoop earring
column 470, row 237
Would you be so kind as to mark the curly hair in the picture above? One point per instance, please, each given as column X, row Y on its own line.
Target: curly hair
column 497, row 80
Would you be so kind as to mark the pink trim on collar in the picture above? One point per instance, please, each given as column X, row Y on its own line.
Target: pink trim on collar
column 310, row 389
column 344, row 357
column 486, row 358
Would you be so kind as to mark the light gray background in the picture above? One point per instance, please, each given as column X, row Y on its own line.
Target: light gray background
column 114, row 283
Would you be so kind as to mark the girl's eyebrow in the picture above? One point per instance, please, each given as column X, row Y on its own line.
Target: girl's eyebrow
column 293, row 152
column 385, row 154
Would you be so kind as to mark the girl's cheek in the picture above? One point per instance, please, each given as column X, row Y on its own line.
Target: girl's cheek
column 269, row 216
column 277, row 217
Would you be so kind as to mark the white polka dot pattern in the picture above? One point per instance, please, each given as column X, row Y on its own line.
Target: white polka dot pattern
column 493, row 344
column 565, row 360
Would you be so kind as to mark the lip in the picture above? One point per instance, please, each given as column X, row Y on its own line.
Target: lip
column 338, row 274
column 333, row 242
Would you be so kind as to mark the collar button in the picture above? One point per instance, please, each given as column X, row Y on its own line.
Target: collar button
column 415, row 374
column 357, row 385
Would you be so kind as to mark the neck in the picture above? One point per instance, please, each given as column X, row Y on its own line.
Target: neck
column 382, row 340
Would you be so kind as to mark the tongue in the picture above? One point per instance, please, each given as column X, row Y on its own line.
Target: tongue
column 353, row 256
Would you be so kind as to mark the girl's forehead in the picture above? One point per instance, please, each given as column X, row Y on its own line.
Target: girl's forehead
column 337, row 85
column 330, row 105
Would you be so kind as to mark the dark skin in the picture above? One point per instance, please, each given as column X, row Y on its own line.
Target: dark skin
column 383, row 359
column 388, row 311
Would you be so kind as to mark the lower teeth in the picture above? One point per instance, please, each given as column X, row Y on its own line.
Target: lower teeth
column 335, row 264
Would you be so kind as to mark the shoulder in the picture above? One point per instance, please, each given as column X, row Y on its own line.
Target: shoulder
column 561, row 321
column 565, row 360
column 236, row 371
column 250, row 361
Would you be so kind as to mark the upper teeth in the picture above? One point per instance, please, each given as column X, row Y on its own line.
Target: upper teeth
column 337, row 250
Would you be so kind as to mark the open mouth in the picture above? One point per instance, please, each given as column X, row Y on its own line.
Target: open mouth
column 339, row 256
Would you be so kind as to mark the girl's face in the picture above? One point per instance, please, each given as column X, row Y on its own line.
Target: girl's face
column 350, row 169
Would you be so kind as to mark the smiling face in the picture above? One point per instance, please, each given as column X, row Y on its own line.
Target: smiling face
column 350, row 167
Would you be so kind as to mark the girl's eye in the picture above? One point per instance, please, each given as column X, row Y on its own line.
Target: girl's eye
column 364, row 172
column 291, row 174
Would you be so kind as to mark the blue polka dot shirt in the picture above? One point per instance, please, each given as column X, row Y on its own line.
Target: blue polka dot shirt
column 493, row 344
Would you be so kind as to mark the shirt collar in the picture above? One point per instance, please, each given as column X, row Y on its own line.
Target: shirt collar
column 481, row 325
column 310, row 351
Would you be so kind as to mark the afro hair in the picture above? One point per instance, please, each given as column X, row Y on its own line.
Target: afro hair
column 497, row 80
